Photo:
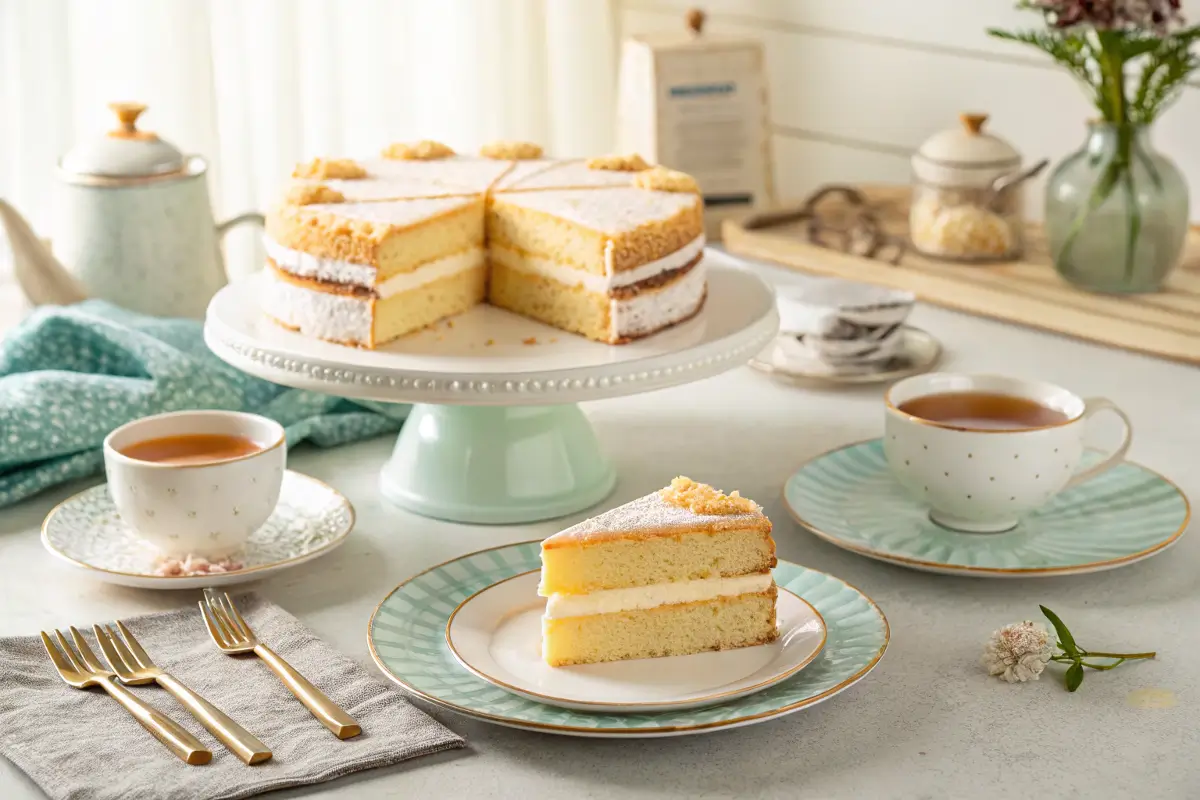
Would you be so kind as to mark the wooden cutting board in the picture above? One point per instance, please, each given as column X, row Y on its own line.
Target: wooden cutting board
column 1027, row 292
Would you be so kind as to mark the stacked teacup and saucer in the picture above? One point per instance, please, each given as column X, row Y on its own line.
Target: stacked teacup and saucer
column 989, row 476
column 842, row 332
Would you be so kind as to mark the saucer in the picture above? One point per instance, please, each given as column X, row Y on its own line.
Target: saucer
column 496, row 635
column 407, row 638
column 849, row 498
column 310, row 520
column 917, row 352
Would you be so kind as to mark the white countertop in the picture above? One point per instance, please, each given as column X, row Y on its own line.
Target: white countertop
column 927, row 723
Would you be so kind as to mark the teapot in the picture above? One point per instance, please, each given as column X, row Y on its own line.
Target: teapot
column 134, row 227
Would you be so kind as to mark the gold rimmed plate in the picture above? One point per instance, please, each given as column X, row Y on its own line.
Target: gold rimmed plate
column 496, row 635
column 310, row 520
column 849, row 498
column 407, row 638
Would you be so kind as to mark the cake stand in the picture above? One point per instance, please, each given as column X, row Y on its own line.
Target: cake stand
column 495, row 435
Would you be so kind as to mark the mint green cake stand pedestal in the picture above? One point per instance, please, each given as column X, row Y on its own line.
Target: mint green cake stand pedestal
column 497, row 464
column 495, row 434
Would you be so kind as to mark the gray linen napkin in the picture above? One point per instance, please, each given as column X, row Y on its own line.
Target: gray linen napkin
column 81, row 745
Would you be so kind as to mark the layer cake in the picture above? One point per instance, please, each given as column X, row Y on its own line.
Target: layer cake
column 362, row 252
column 683, row 570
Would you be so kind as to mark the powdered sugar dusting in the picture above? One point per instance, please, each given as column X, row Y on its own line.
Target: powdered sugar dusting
column 614, row 210
column 652, row 515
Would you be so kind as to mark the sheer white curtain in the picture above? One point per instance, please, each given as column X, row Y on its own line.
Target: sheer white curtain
column 256, row 85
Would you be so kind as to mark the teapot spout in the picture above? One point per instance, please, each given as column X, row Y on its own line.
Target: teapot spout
column 41, row 277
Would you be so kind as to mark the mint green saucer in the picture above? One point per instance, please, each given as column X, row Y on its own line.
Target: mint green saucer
column 407, row 637
column 849, row 498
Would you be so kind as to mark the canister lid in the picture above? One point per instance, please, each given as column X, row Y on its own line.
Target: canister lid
column 124, row 152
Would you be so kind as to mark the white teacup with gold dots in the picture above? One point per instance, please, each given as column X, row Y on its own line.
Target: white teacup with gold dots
column 984, row 478
column 206, row 509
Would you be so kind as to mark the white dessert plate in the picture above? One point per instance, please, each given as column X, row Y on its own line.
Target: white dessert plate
column 311, row 519
column 496, row 635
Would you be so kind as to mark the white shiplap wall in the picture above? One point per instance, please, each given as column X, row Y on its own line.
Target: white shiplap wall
column 856, row 85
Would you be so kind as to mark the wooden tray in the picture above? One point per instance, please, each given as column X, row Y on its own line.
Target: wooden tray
column 1027, row 292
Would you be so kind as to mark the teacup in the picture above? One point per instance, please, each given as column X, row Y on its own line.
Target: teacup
column 844, row 322
column 984, row 479
column 206, row 509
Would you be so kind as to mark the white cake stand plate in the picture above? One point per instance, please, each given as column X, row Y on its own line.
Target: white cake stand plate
column 494, row 435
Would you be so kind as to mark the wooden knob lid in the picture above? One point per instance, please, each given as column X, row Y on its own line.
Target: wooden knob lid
column 973, row 122
column 695, row 21
column 127, row 115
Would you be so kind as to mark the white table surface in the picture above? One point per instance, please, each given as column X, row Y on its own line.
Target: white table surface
column 927, row 723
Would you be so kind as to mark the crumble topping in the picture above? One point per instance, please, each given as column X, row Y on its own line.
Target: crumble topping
column 630, row 163
column 666, row 180
column 424, row 150
column 324, row 168
column 306, row 194
column 507, row 149
column 700, row 498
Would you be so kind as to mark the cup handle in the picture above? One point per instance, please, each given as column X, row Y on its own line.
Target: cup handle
column 1091, row 407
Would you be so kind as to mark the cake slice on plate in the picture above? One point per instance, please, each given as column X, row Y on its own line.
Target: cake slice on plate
column 683, row 570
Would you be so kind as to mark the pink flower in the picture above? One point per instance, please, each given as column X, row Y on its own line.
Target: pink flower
column 1158, row 16
column 1019, row 652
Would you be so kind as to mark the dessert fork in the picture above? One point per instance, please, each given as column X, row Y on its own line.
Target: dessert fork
column 80, row 669
column 232, row 635
column 134, row 667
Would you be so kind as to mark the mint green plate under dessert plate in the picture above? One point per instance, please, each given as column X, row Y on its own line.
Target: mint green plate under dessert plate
column 849, row 498
column 407, row 637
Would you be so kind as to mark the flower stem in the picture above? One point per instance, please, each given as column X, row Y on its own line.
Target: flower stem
column 1121, row 655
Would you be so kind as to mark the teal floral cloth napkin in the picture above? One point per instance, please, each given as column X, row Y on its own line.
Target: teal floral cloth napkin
column 71, row 374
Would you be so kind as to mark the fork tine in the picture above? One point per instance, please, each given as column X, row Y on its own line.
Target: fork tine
column 232, row 634
column 60, row 663
column 126, row 654
column 138, row 653
column 70, row 653
column 237, row 616
column 110, row 652
column 211, row 624
column 85, row 651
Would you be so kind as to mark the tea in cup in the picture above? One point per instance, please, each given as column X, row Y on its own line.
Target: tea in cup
column 984, row 450
column 196, row 482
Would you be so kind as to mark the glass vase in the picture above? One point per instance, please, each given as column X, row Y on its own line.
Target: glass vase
column 1116, row 212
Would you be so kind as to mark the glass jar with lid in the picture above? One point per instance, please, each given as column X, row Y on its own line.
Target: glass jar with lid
column 967, row 195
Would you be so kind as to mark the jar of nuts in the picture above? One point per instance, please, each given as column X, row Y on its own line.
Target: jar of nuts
column 966, row 199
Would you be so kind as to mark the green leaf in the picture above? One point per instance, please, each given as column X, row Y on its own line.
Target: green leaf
column 1074, row 676
column 1065, row 640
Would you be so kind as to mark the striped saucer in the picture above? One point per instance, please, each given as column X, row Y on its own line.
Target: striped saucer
column 849, row 498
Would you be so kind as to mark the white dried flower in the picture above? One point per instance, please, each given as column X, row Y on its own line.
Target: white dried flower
column 1018, row 652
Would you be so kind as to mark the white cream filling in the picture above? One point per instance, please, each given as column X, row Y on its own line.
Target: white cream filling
column 603, row 284
column 327, row 269
column 610, row 601
column 433, row 271
column 657, row 308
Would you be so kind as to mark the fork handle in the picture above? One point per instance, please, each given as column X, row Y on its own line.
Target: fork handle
column 328, row 712
column 165, row 729
column 244, row 744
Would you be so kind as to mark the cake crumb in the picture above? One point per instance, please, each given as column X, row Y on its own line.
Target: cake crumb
column 553, row 339
column 449, row 323
column 306, row 194
column 666, row 180
column 489, row 343
column 506, row 149
column 190, row 566
column 424, row 150
column 324, row 168
column 630, row 163
column 530, row 340
column 700, row 498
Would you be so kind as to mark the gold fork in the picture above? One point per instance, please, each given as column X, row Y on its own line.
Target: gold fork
column 232, row 635
column 134, row 667
column 80, row 668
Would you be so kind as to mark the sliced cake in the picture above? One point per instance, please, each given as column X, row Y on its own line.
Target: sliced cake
column 366, row 273
column 683, row 570
column 614, row 264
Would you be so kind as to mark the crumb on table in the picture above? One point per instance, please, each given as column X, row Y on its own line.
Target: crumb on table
column 489, row 342
column 530, row 340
